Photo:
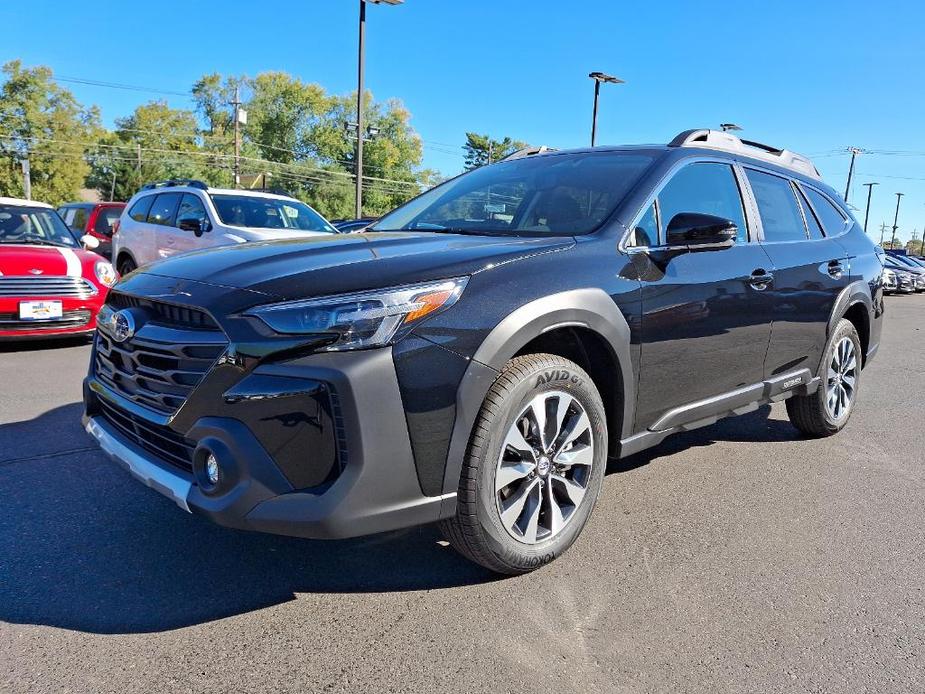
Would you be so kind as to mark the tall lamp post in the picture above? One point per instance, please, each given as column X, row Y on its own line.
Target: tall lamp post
column 870, row 189
column 599, row 77
column 359, row 158
column 899, row 197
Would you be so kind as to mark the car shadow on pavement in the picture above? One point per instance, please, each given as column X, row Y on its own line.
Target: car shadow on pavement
column 43, row 345
column 83, row 546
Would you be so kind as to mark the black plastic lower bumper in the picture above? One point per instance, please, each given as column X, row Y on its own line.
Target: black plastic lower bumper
column 376, row 487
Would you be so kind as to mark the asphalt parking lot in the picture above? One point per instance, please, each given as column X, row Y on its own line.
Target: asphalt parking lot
column 735, row 558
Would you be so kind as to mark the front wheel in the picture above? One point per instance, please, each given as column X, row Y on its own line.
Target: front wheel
column 534, row 467
column 826, row 411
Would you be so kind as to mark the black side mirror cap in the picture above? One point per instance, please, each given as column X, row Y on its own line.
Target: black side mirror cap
column 194, row 225
column 698, row 230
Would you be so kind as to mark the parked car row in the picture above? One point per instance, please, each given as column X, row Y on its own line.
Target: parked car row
column 903, row 274
column 476, row 356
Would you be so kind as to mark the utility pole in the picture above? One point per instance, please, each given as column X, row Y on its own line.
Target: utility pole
column 899, row 197
column 138, row 155
column 855, row 151
column 870, row 188
column 359, row 159
column 883, row 229
column 489, row 150
column 237, row 137
column 26, row 179
column 112, row 190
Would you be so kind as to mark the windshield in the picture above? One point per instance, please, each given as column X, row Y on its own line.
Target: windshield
column 558, row 194
column 34, row 225
column 268, row 213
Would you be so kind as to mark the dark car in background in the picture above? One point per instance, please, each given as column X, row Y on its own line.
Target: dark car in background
column 95, row 218
column 910, row 276
column 477, row 356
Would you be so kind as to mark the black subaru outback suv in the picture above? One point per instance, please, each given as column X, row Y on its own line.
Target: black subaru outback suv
column 477, row 355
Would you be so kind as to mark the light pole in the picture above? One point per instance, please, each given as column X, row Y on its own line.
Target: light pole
column 359, row 159
column 870, row 189
column 729, row 126
column 899, row 197
column 855, row 151
column 599, row 77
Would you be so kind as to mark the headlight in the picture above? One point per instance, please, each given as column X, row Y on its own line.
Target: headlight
column 105, row 273
column 363, row 319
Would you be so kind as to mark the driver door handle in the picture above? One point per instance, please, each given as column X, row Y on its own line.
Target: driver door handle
column 760, row 279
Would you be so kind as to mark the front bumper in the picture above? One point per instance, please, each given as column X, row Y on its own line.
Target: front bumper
column 79, row 318
column 376, row 488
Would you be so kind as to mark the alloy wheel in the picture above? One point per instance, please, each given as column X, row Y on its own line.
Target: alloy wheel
column 544, row 467
column 841, row 379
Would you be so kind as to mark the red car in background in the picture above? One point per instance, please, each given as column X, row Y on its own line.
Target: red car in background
column 49, row 285
column 95, row 218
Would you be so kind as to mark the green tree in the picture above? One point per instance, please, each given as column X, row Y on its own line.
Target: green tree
column 477, row 149
column 45, row 123
column 154, row 143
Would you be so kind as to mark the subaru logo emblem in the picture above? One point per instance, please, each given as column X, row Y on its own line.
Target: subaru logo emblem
column 122, row 325
column 35, row 271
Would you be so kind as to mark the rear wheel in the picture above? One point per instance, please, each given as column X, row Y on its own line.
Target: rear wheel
column 534, row 467
column 126, row 265
column 826, row 411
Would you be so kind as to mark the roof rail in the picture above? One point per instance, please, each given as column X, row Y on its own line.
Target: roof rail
column 727, row 142
column 191, row 182
column 527, row 152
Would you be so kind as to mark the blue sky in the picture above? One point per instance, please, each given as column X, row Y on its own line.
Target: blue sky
column 815, row 77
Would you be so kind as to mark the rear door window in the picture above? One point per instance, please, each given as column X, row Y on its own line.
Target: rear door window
column 139, row 211
column 164, row 209
column 833, row 221
column 812, row 224
column 777, row 204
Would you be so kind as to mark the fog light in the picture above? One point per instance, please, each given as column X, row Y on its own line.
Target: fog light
column 212, row 469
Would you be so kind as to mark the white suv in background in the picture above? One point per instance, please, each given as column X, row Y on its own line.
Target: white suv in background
column 171, row 217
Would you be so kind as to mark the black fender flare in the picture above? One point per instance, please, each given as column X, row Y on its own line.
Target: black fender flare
column 858, row 292
column 587, row 308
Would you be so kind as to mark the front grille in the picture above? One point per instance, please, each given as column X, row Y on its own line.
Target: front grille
column 166, row 314
column 164, row 443
column 38, row 286
column 169, row 354
column 68, row 319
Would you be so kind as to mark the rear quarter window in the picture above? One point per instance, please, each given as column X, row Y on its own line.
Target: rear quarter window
column 833, row 221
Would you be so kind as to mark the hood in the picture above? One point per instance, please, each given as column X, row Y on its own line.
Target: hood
column 27, row 259
column 332, row 264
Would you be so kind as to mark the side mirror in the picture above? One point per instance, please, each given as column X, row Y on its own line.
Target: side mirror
column 91, row 243
column 193, row 225
column 701, row 231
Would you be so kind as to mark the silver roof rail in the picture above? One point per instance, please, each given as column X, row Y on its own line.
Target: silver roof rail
column 527, row 152
column 727, row 142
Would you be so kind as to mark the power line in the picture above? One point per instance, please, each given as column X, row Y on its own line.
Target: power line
column 119, row 85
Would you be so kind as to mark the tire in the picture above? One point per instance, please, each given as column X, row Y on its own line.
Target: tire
column 567, row 473
column 126, row 265
column 814, row 414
